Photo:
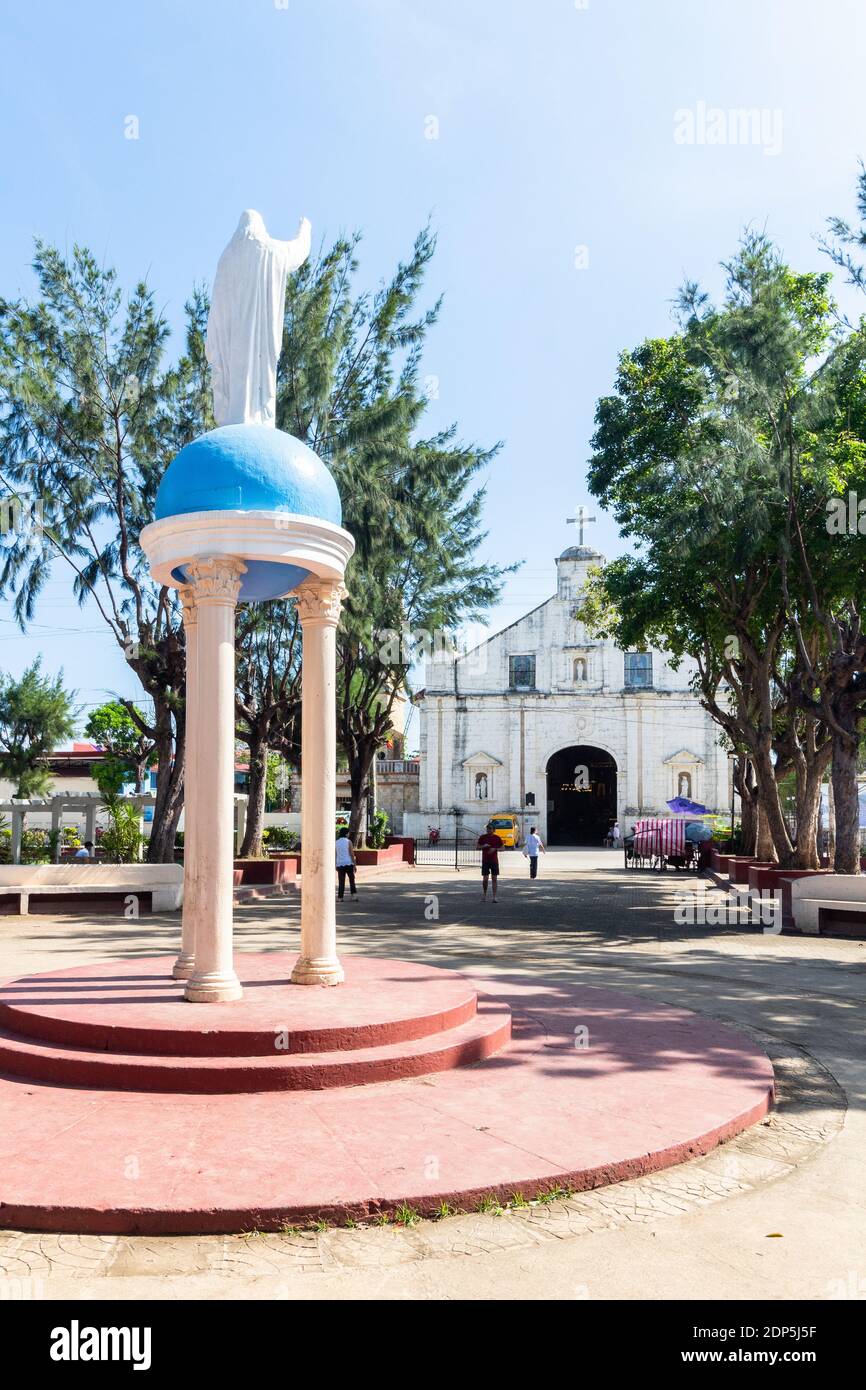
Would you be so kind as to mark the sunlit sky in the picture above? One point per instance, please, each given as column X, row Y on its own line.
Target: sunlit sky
column 567, row 204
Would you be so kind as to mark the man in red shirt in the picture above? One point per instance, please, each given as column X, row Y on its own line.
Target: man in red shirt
column 490, row 845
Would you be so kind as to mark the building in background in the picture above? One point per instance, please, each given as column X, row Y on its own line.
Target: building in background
column 567, row 731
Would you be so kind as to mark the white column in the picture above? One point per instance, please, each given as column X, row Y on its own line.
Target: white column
column 90, row 823
column 185, row 963
column 17, row 833
column 319, row 603
column 215, row 581
column 56, row 826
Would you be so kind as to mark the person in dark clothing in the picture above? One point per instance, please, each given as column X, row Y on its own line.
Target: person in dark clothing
column 345, row 864
column 490, row 844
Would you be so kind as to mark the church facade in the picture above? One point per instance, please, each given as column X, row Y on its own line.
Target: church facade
column 568, row 732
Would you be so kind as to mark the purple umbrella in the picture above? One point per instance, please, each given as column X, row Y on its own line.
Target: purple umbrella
column 681, row 806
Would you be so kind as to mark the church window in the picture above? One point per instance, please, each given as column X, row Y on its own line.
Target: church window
column 638, row 670
column 580, row 668
column 521, row 672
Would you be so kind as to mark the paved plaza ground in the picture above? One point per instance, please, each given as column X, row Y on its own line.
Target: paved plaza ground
column 779, row 1212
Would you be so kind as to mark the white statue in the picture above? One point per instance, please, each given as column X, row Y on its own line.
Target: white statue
column 245, row 325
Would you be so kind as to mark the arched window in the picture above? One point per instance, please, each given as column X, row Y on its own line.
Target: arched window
column 481, row 786
column 579, row 668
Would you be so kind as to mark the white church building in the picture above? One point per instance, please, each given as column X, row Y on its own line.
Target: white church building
column 568, row 732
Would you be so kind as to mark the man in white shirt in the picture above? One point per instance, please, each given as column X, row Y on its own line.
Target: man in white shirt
column 345, row 864
column 532, row 849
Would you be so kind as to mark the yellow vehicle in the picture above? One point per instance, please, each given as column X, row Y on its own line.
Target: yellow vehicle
column 507, row 827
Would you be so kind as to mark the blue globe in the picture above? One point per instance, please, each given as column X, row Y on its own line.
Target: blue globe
column 250, row 468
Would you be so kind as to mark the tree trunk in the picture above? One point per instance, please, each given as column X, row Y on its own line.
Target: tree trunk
column 744, row 783
column 846, row 799
column 808, row 802
column 831, row 823
column 770, row 806
column 169, row 791
column 257, row 782
column 765, row 850
column 359, row 773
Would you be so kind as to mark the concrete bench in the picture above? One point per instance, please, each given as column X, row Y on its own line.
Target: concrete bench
column 827, row 895
column 21, row 883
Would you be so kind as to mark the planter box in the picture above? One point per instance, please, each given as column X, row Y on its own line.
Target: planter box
column 282, row 868
column 738, row 868
column 720, row 862
column 408, row 843
column 393, row 854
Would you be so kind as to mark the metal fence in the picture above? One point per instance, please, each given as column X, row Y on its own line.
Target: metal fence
column 448, row 853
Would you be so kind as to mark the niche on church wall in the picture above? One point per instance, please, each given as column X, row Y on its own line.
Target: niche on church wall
column 480, row 772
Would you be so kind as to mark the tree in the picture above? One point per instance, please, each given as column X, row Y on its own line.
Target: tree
column 268, row 702
column 36, row 713
column 89, row 420
column 129, row 751
column 715, row 441
column 349, row 386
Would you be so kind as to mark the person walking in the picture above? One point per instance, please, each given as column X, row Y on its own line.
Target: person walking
column 345, row 863
column 531, row 851
column 490, row 844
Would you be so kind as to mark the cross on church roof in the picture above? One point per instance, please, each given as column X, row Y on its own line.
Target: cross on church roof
column 580, row 518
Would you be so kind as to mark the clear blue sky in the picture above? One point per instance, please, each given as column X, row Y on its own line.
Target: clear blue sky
column 556, row 130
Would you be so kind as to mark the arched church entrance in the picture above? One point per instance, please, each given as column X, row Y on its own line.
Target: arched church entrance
column 581, row 795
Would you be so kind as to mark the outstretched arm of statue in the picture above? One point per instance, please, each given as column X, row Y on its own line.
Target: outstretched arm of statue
column 298, row 250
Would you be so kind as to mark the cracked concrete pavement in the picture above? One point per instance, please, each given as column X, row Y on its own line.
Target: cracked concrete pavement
column 779, row 1212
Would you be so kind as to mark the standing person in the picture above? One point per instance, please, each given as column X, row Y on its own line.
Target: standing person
column 345, row 863
column 532, row 849
column 490, row 844
column 617, row 835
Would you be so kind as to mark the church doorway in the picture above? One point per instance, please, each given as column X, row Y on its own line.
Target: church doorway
column 581, row 795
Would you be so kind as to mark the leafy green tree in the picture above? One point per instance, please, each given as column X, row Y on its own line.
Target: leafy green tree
column 36, row 713
column 701, row 454
column 90, row 417
column 349, row 385
column 129, row 751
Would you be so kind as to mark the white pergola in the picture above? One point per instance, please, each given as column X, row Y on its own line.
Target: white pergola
column 17, row 808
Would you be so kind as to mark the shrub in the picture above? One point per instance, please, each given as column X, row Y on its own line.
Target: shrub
column 281, row 837
column 379, row 830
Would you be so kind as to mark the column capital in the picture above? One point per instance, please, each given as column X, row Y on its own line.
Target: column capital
column 188, row 602
column 320, row 602
column 215, row 579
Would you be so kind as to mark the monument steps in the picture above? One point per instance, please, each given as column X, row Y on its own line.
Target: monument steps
column 58, row 1063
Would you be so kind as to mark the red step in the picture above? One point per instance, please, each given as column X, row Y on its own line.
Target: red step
column 137, row 1007
column 485, row 1034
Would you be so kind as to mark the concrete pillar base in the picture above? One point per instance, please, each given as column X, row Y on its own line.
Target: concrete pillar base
column 184, row 966
column 217, row 987
column 318, row 970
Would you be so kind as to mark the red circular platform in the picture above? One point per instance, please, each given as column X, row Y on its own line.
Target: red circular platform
column 205, row 1127
column 135, row 1006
